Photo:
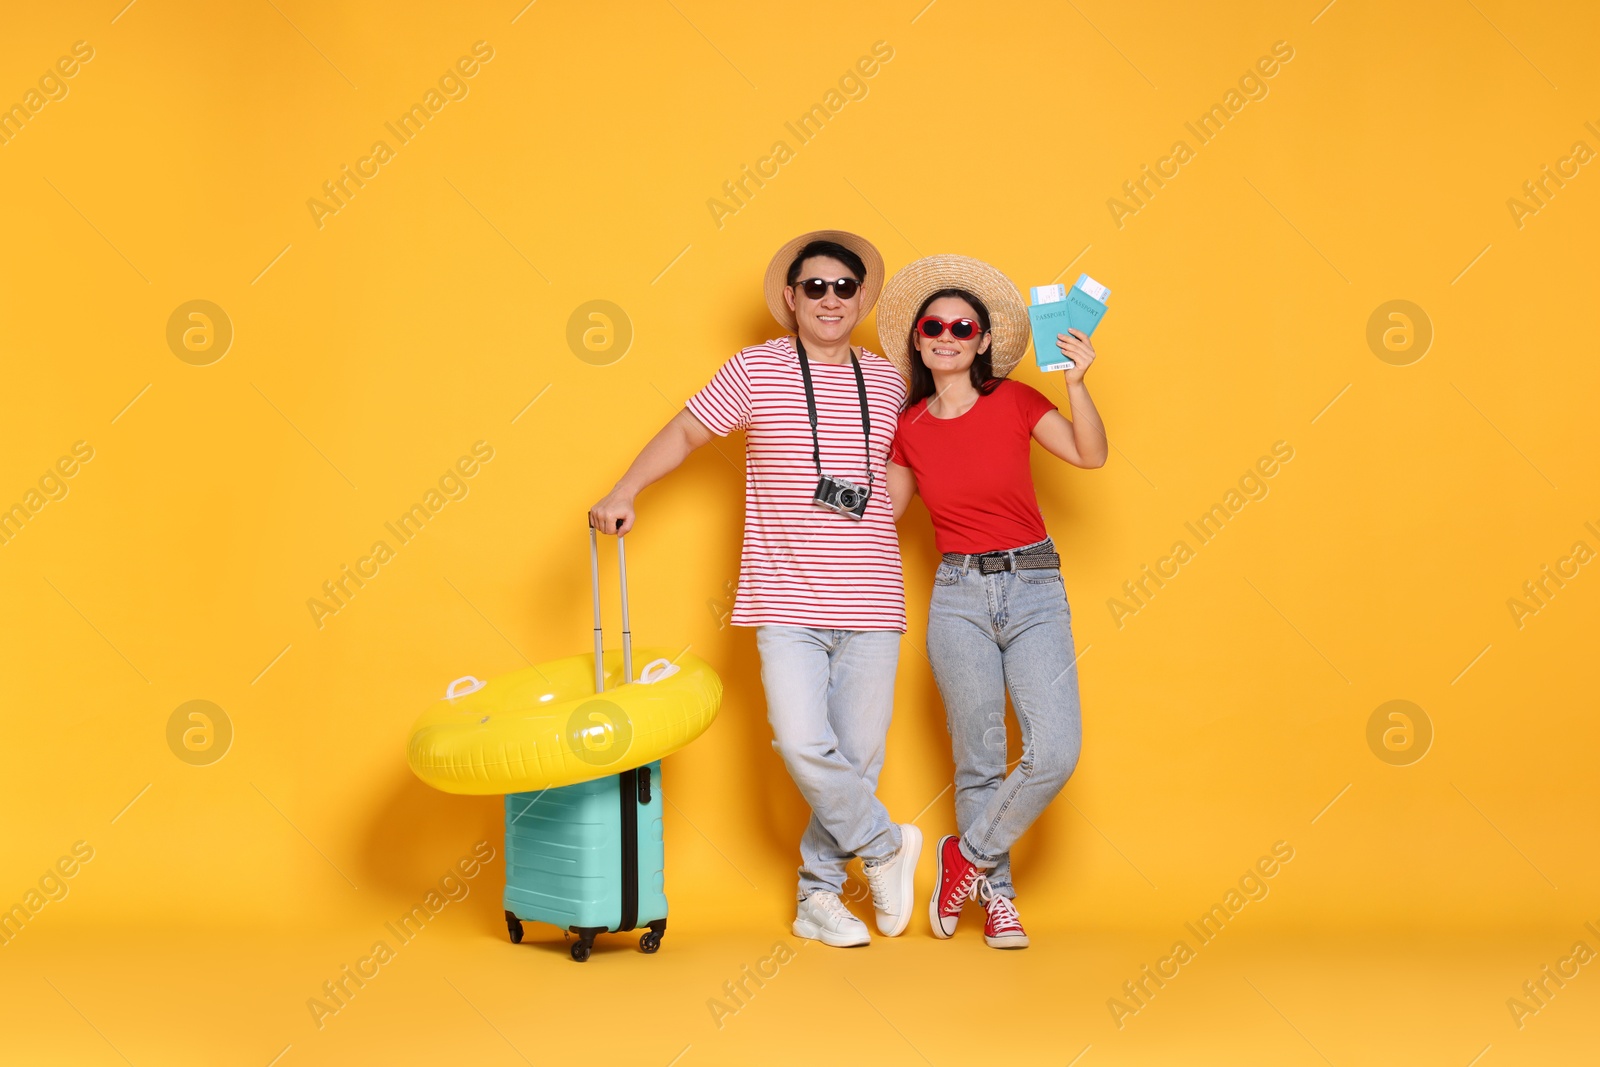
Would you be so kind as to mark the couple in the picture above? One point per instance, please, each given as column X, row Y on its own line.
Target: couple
column 822, row 583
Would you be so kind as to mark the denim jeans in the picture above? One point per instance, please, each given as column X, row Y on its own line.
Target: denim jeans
column 830, row 695
column 989, row 633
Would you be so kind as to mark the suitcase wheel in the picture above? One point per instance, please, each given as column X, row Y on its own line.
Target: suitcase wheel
column 585, row 943
column 649, row 941
column 514, row 927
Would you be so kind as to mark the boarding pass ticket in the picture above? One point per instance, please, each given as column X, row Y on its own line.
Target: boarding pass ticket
column 1052, row 294
column 1093, row 288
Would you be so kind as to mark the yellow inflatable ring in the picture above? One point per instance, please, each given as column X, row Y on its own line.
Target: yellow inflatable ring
column 545, row 726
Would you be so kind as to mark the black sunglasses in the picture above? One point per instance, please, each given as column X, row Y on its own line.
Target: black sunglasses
column 817, row 288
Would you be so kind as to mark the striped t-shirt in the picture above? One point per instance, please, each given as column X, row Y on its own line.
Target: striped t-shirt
column 804, row 565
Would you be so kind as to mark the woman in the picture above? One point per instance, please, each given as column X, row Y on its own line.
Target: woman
column 999, row 619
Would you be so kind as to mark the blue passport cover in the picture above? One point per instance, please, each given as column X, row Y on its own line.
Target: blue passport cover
column 1079, row 311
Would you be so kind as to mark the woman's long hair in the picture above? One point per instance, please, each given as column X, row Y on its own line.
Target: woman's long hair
column 982, row 369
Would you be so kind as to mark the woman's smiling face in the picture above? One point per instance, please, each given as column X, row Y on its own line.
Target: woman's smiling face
column 945, row 353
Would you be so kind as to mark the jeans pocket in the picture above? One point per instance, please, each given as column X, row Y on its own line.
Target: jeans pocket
column 1040, row 576
column 947, row 574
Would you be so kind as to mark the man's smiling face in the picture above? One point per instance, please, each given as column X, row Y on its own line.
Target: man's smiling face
column 828, row 320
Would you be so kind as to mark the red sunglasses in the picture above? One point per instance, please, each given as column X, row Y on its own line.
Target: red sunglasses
column 932, row 326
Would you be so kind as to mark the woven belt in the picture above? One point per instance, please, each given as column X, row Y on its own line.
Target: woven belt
column 995, row 562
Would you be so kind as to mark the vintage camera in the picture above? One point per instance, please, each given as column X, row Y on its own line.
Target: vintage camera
column 841, row 495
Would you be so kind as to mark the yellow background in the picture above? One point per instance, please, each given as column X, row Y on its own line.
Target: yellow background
column 432, row 310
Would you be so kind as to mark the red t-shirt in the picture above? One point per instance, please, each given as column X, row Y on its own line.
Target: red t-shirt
column 972, row 470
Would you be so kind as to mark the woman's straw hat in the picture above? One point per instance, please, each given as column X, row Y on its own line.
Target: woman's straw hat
column 915, row 282
column 778, row 271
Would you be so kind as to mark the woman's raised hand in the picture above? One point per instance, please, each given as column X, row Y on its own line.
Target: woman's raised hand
column 1075, row 345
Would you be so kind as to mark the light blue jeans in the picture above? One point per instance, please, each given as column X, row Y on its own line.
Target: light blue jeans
column 830, row 695
column 989, row 633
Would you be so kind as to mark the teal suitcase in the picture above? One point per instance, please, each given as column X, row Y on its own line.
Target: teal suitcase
column 590, row 857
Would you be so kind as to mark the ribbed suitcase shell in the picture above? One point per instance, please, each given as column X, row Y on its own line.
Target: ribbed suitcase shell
column 564, row 855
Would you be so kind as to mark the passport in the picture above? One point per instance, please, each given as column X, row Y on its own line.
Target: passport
column 1055, row 308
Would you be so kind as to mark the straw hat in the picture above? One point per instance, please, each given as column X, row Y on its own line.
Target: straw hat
column 778, row 271
column 915, row 282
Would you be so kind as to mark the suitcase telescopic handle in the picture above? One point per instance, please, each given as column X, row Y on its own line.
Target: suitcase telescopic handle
column 627, row 634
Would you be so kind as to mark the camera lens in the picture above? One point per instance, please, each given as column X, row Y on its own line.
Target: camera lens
column 847, row 498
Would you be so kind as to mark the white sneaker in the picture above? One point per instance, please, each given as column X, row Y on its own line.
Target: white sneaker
column 823, row 917
column 893, row 883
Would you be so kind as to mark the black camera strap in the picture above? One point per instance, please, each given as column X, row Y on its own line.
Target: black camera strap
column 811, row 409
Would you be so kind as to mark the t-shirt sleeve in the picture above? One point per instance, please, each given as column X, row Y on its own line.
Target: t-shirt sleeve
column 1032, row 405
column 724, row 403
column 896, row 456
column 902, row 391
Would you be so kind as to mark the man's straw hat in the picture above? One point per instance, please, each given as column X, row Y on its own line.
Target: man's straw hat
column 778, row 271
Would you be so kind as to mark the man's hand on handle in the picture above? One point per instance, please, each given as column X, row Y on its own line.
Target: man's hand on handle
column 614, row 514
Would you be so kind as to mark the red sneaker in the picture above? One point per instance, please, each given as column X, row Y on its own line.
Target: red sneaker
column 1003, row 928
column 958, row 883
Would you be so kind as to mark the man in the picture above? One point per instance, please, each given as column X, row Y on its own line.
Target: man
column 819, row 575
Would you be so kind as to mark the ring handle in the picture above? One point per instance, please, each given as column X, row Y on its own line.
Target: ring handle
column 472, row 686
column 649, row 675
